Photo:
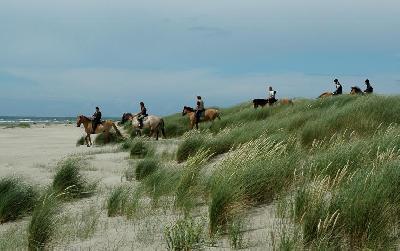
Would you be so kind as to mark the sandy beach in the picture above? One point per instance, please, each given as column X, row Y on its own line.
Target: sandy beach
column 33, row 154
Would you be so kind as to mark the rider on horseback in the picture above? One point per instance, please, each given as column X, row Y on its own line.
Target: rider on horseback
column 369, row 87
column 271, row 95
column 96, row 119
column 199, row 108
column 142, row 114
column 339, row 89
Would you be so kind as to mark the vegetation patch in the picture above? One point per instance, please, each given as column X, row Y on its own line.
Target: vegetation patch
column 70, row 182
column 141, row 149
column 16, row 198
column 44, row 222
column 185, row 234
column 110, row 138
column 146, row 167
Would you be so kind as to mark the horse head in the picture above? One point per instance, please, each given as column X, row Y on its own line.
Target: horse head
column 79, row 120
column 126, row 117
column 184, row 111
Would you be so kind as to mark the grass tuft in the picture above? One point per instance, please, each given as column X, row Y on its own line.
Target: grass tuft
column 69, row 180
column 145, row 168
column 16, row 199
column 186, row 234
column 44, row 222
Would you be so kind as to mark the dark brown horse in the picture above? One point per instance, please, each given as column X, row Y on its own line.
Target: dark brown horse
column 264, row 102
column 209, row 115
column 104, row 127
column 355, row 90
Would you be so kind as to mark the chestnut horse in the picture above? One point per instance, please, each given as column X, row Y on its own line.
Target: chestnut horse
column 325, row 94
column 104, row 127
column 208, row 115
column 154, row 123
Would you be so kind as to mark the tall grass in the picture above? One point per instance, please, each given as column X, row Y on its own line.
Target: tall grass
column 145, row 168
column 185, row 234
column 109, row 138
column 252, row 174
column 69, row 180
column 16, row 198
column 141, row 149
column 44, row 222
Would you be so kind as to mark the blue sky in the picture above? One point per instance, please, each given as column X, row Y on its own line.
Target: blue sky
column 62, row 58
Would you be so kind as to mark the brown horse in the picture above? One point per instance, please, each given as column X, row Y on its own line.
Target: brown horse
column 325, row 94
column 285, row 101
column 209, row 115
column 104, row 127
column 356, row 90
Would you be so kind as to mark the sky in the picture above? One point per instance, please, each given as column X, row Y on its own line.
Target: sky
column 64, row 57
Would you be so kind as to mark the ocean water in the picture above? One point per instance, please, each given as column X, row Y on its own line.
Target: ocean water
column 39, row 120
column 36, row 120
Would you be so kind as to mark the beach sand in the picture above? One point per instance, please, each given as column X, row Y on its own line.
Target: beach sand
column 33, row 154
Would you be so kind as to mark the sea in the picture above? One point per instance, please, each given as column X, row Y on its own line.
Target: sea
column 5, row 120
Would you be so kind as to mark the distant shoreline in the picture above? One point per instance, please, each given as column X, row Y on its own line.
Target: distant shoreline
column 32, row 120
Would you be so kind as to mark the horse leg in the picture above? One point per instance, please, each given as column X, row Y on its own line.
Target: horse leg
column 86, row 141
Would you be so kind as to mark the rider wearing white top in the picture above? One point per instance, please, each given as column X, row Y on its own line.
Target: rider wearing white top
column 271, row 93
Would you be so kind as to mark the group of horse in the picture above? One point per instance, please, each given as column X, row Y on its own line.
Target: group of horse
column 154, row 123
column 355, row 90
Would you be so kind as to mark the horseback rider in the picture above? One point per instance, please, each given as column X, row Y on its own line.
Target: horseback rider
column 96, row 119
column 339, row 89
column 141, row 115
column 369, row 87
column 271, row 95
column 199, row 108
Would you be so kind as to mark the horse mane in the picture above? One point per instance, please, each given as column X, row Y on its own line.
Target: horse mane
column 189, row 108
column 85, row 117
column 356, row 88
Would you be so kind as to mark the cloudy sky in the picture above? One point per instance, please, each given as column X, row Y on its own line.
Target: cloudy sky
column 61, row 58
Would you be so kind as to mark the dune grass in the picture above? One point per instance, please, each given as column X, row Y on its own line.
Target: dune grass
column 80, row 141
column 146, row 167
column 113, row 138
column 185, row 234
column 19, row 125
column 44, row 222
column 333, row 164
column 16, row 198
column 69, row 180
column 141, row 149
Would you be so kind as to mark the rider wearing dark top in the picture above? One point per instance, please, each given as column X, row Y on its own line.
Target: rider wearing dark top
column 199, row 108
column 339, row 89
column 369, row 87
column 142, row 114
column 96, row 119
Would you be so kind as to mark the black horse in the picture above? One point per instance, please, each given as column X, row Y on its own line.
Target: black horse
column 263, row 102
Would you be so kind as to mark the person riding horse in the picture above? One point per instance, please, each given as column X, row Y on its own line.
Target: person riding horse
column 271, row 96
column 142, row 114
column 96, row 119
column 199, row 108
column 369, row 87
column 339, row 89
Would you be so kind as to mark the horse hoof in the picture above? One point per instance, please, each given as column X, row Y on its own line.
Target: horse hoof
column 88, row 146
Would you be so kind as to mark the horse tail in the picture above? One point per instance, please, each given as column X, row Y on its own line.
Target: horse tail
column 116, row 130
column 162, row 127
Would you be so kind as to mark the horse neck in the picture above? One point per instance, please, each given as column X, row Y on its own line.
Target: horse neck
column 85, row 122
